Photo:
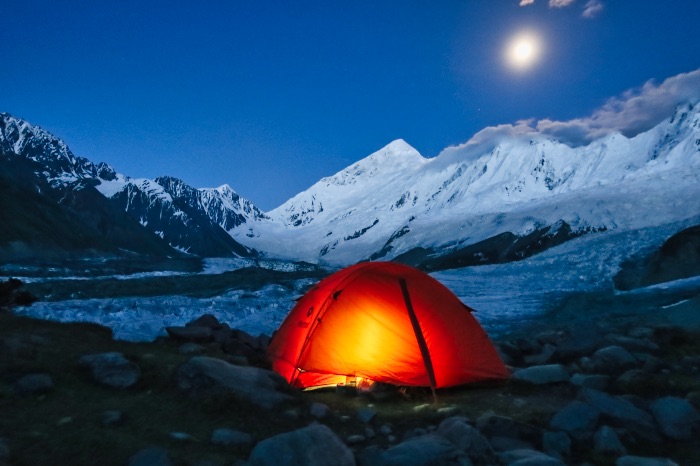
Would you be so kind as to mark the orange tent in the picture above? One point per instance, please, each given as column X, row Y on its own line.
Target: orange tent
column 385, row 322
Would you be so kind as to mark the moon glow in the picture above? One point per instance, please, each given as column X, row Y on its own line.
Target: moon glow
column 523, row 51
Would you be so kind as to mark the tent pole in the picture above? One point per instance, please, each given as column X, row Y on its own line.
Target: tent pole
column 419, row 337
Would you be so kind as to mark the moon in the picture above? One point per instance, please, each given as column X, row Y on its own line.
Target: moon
column 523, row 51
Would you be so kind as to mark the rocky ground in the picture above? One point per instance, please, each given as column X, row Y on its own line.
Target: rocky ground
column 601, row 393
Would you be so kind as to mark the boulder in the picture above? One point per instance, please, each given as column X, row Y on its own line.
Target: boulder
column 112, row 417
column 540, row 375
column 205, row 376
column 577, row 419
column 545, row 356
column 611, row 360
column 426, row 450
column 467, row 438
column 33, row 384
column 582, row 340
column 112, row 369
column 676, row 417
column 315, row 445
column 622, row 413
column 606, row 442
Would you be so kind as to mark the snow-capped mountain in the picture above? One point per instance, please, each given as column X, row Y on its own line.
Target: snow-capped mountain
column 187, row 219
column 472, row 202
column 500, row 200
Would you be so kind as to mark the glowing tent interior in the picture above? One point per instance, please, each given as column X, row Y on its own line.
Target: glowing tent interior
column 385, row 322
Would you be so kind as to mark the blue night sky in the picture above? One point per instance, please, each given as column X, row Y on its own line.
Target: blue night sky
column 270, row 96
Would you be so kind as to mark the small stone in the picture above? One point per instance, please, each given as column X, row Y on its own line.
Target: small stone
column 205, row 320
column 386, row 429
column 607, row 442
column 422, row 407
column 425, row 450
column 112, row 369
column 319, row 410
column 181, row 436
column 448, row 410
column 355, row 439
column 64, row 420
column 370, row 433
column 583, row 340
column 366, row 414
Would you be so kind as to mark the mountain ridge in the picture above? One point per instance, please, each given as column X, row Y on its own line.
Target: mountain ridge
column 525, row 192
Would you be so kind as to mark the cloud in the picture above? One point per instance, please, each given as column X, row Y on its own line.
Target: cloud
column 635, row 111
column 560, row 3
column 526, row 2
column 592, row 8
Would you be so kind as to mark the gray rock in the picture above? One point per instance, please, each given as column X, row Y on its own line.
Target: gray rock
column 606, row 442
column 230, row 437
column 525, row 457
column 611, row 360
column 676, row 417
column 319, row 410
column 467, row 438
column 315, row 445
column 622, row 413
column 427, row 450
column 193, row 334
column 112, row 369
column 582, row 340
column 204, row 376
column 540, row 375
column 595, row 381
column 642, row 461
column 509, row 353
column 151, row 456
column 578, row 419
column 355, row 439
column 556, row 444
column 366, row 414
column 33, row 384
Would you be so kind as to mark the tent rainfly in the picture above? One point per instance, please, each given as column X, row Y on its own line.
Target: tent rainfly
column 383, row 322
